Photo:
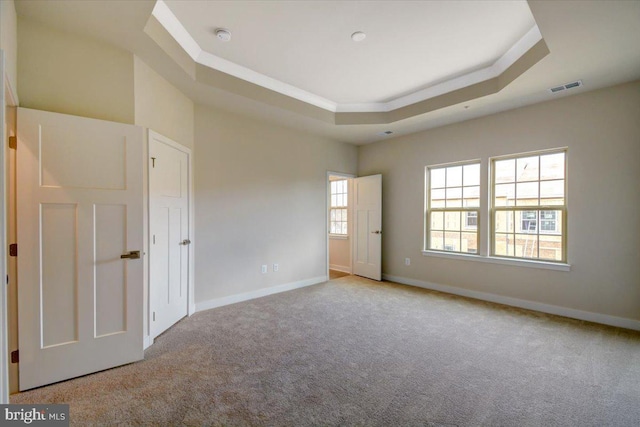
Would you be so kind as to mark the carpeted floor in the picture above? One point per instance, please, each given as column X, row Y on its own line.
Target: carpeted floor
column 356, row 352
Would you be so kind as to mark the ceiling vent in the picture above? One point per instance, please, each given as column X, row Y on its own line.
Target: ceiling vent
column 566, row 86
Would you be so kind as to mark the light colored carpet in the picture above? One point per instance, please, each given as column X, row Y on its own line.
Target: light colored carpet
column 356, row 352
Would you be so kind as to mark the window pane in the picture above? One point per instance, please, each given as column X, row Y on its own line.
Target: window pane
column 454, row 176
column 552, row 192
column 504, row 245
column 333, row 227
column 436, row 240
column 334, row 185
column 504, row 221
column 505, row 171
column 452, row 220
column 437, row 198
column 471, row 196
column 471, row 174
column 527, row 169
column 552, row 166
column 454, row 197
column 471, row 220
column 437, row 178
column 527, row 245
column 504, row 195
column 551, row 222
column 469, row 243
column 551, row 247
column 527, row 193
column 437, row 220
column 528, row 221
column 333, row 200
column 451, row 241
column 344, row 228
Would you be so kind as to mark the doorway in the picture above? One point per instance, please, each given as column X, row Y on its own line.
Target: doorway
column 339, row 224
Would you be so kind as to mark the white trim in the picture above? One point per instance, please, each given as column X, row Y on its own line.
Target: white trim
column 11, row 97
column 588, row 316
column 339, row 236
column 503, row 261
column 174, row 27
column 212, row 61
column 342, row 268
column 4, row 324
column 246, row 296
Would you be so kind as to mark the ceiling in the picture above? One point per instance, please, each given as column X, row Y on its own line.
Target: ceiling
column 422, row 64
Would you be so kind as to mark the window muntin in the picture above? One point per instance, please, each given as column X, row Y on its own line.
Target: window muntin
column 529, row 206
column 453, row 202
column 338, row 223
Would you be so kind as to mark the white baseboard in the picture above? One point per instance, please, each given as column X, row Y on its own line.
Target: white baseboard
column 232, row 299
column 604, row 319
column 342, row 268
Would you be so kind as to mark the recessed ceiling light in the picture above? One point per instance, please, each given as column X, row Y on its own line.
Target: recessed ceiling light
column 223, row 34
column 358, row 36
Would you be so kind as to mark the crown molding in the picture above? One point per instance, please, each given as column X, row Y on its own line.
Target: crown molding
column 212, row 70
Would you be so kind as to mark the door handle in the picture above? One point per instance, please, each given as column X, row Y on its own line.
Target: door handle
column 131, row 255
column 185, row 242
column 377, row 232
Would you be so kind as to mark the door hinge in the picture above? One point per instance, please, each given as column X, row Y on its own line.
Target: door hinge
column 13, row 249
column 13, row 142
column 154, row 316
column 153, row 162
column 15, row 356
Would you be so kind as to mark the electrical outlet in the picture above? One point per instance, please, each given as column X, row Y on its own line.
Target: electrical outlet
column 264, row 268
column 407, row 261
column 276, row 267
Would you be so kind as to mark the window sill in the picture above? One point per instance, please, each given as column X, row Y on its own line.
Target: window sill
column 339, row 236
column 504, row 261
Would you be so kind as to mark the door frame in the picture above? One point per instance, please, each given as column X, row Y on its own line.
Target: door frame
column 191, row 305
column 327, row 201
column 4, row 324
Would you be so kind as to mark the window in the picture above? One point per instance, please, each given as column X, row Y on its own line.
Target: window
column 338, row 209
column 453, row 202
column 529, row 221
column 471, row 220
column 529, row 206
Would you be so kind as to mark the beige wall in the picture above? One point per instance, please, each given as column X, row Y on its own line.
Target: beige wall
column 67, row 74
column 602, row 132
column 9, row 41
column 160, row 106
column 340, row 254
column 260, row 198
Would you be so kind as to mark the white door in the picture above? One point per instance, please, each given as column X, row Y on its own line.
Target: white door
column 169, row 232
column 367, row 250
column 80, row 208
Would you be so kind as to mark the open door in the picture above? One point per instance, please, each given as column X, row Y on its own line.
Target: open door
column 80, row 233
column 367, row 249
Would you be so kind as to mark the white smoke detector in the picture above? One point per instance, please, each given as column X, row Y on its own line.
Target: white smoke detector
column 223, row 34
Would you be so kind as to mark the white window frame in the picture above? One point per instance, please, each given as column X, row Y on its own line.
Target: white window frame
column 485, row 223
column 429, row 210
column 536, row 208
column 344, row 207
